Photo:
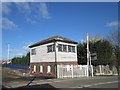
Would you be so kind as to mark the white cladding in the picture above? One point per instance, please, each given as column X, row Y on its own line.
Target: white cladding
column 66, row 56
column 42, row 54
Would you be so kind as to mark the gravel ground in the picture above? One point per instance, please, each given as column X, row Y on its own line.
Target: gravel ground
column 11, row 77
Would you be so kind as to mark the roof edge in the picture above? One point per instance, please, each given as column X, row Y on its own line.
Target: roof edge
column 52, row 39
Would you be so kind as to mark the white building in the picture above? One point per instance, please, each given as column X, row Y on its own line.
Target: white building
column 47, row 54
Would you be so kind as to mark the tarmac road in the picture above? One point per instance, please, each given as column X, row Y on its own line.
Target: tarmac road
column 83, row 82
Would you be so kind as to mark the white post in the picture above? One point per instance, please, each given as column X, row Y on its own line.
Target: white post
column 72, row 70
column 91, row 67
column 62, row 71
column 55, row 44
column 87, row 51
column 58, row 69
column 87, row 74
column 92, row 70
column 100, row 69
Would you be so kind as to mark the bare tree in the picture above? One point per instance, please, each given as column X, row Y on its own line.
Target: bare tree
column 114, row 38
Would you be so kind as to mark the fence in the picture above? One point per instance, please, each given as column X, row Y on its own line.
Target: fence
column 105, row 70
column 72, row 71
column 17, row 66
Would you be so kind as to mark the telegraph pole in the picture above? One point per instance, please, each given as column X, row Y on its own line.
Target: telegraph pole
column 8, row 51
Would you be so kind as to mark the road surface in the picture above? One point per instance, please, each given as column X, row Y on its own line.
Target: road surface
column 83, row 82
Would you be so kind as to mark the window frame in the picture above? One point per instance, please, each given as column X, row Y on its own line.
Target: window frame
column 33, row 51
column 65, row 50
column 73, row 50
column 49, row 48
column 52, row 48
column 69, row 48
column 60, row 50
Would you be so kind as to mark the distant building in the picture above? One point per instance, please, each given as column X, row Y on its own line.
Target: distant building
column 47, row 54
column 6, row 62
column 0, row 62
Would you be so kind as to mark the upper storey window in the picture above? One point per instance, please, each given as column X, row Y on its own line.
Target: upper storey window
column 60, row 47
column 64, row 48
column 33, row 51
column 51, row 48
column 73, row 49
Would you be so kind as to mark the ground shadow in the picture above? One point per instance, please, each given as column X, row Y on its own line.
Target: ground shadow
column 32, row 87
column 38, row 86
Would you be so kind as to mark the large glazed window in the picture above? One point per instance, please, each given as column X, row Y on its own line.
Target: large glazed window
column 73, row 48
column 69, row 48
column 59, row 47
column 51, row 48
column 64, row 48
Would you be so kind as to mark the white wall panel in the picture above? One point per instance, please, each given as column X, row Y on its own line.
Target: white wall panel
column 43, row 56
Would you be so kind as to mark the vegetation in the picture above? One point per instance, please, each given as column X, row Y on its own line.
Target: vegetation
column 114, row 38
column 108, row 50
column 25, row 60
column 102, row 48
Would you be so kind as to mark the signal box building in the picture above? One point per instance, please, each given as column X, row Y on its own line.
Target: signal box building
column 47, row 54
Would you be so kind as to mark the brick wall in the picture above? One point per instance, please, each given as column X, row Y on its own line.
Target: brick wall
column 45, row 64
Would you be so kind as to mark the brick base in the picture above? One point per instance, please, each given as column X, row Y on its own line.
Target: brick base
column 45, row 64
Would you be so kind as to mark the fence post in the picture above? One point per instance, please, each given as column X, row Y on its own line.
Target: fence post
column 87, row 71
column 92, row 70
column 72, row 70
column 100, row 69
column 62, row 71
column 58, row 68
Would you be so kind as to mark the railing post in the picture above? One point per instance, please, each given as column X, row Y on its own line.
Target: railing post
column 72, row 70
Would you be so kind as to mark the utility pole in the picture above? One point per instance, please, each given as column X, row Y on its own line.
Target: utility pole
column 8, row 51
